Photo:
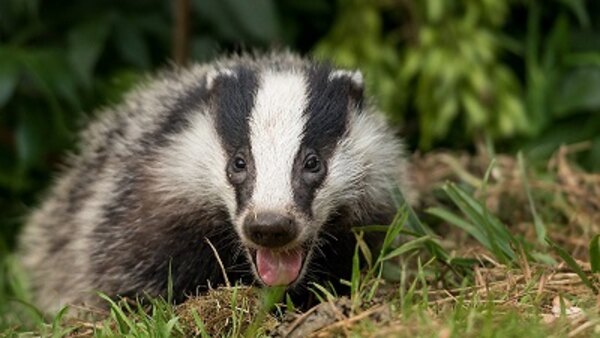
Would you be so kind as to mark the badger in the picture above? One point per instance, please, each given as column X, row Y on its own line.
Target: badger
column 252, row 168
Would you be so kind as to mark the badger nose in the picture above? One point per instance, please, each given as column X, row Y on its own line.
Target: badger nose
column 270, row 229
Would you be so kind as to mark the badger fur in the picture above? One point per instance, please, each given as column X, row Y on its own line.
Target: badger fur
column 272, row 159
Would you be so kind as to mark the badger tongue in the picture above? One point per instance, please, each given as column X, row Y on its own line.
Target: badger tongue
column 278, row 268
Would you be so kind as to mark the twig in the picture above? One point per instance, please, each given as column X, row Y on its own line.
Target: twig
column 575, row 332
column 299, row 320
column 181, row 32
column 348, row 321
column 219, row 261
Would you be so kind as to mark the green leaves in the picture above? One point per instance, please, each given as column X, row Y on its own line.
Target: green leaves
column 238, row 20
column 9, row 74
column 131, row 43
column 86, row 43
column 579, row 10
column 578, row 91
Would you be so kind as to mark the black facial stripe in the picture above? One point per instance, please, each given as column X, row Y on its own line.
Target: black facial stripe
column 177, row 117
column 233, row 101
column 327, row 116
column 243, row 190
column 327, row 110
column 303, row 188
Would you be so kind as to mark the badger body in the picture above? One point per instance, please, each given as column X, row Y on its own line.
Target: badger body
column 270, row 159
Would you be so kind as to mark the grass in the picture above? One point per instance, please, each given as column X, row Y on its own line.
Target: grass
column 517, row 255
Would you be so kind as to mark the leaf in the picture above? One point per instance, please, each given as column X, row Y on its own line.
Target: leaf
column 239, row 20
column 578, row 92
column 9, row 75
column 595, row 253
column 30, row 139
column 53, row 79
column 578, row 8
column 204, row 48
column 435, row 10
column 258, row 18
column 131, row 44
column 86, row 43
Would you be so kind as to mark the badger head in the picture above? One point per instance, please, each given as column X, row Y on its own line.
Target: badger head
column 294, row 145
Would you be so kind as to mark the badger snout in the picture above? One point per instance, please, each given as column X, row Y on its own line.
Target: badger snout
column 270, row 229
column 278, row 259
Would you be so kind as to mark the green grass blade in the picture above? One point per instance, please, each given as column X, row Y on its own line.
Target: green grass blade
column 319, row 291
column 170, row 284
column 496, row 233
column 540, row 227
column 477, row 211
column 371, row 228
column 56, row 323
column 595, row 253
column 170, row 327
column 394, row 229
column 355, row 278
column 364, row 249
column 573, row 265
column 289, row 304
column 452, row 218
column 415, row 244
column 269, row 298
column 414, row 224
column 125, row 324
column 199, row 324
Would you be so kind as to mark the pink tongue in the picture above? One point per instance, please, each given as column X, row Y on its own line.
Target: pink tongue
column 276, row 268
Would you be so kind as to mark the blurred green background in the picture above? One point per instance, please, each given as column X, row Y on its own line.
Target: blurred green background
column 515, row 74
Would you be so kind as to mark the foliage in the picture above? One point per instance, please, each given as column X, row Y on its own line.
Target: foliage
column 487, row 69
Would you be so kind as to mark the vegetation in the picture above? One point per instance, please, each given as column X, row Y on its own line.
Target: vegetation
column 505, row 239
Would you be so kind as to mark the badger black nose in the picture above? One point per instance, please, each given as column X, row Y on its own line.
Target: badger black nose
column 270, row 229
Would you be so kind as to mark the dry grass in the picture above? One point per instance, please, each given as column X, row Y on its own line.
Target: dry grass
column 220, row 309
column 566, row 196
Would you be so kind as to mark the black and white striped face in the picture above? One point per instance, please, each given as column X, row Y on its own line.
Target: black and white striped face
column 280, row 130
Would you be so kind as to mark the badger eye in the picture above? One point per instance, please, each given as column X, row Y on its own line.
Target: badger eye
column 239, row 164
column 312, row 164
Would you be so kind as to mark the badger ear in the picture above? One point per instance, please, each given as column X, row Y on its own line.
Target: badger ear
column 215, row 76
column 352, row 82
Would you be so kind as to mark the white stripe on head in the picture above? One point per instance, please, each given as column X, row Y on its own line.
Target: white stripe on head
column 193, row 165
column 276, row 129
